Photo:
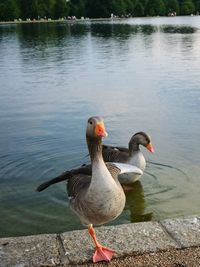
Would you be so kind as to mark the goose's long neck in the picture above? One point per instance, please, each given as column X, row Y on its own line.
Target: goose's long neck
column 95, row 149
column 133, row 147
column 101, row 177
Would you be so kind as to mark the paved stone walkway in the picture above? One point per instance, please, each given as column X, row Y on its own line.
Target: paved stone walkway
column 173, row 242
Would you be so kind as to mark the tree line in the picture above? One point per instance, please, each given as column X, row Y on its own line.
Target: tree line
column 55, row 9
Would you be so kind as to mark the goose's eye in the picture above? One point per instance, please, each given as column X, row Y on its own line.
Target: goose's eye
column 90, row 122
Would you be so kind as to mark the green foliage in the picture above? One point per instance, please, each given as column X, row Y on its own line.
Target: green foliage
column 46, row 8
column 2, row 11
column 60, row 9
column 155, row 7
column 77, row 8
column 119, row 8
column 187, row 7
column 9, row 10
column 28, row 8
column 197, row 5
column 34, row 9
column 102, row 8
column 139, row 10
column 172, row 6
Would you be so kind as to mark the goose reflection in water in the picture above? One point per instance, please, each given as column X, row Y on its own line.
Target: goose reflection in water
column 135, row 203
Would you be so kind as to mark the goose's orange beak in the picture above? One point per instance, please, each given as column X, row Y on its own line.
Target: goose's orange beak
column 150, row 148
column 100, row 130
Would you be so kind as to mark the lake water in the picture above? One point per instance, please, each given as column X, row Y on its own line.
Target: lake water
column 139, row 74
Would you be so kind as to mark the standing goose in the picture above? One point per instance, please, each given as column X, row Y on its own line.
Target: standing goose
column 94, row 191
column 131, row 155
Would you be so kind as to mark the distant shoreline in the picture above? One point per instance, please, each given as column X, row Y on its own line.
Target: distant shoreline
column 56, row 20
column 79, row 20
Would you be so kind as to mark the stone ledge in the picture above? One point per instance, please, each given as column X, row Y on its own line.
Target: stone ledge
column 24, row 251
column 186, row 231
column 125, row 239
column 76, row 247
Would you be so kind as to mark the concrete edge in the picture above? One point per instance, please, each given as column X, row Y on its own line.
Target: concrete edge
column 76, row 247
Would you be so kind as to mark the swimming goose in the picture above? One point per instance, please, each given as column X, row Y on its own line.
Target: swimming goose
column 131, row 155
column 94, row 192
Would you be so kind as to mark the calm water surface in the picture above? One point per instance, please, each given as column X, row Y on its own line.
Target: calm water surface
column 139, row 74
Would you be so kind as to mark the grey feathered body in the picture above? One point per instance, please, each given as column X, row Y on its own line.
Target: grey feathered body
column 96, row 201
column 137, row 159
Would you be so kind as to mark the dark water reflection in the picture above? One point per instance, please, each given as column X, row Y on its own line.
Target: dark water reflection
column 140, row 74
column 178, row 29
column 136, row 204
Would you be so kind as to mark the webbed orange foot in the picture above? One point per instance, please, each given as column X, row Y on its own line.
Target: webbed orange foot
column 103, row 254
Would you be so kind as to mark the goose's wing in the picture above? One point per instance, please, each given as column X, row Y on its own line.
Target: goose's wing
column 77, row 184
column 79, row 181
column 67, row 175
column 128, row 168
column 116, row 168
column 115, row 153
column 63, row 177
column 119, row 148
